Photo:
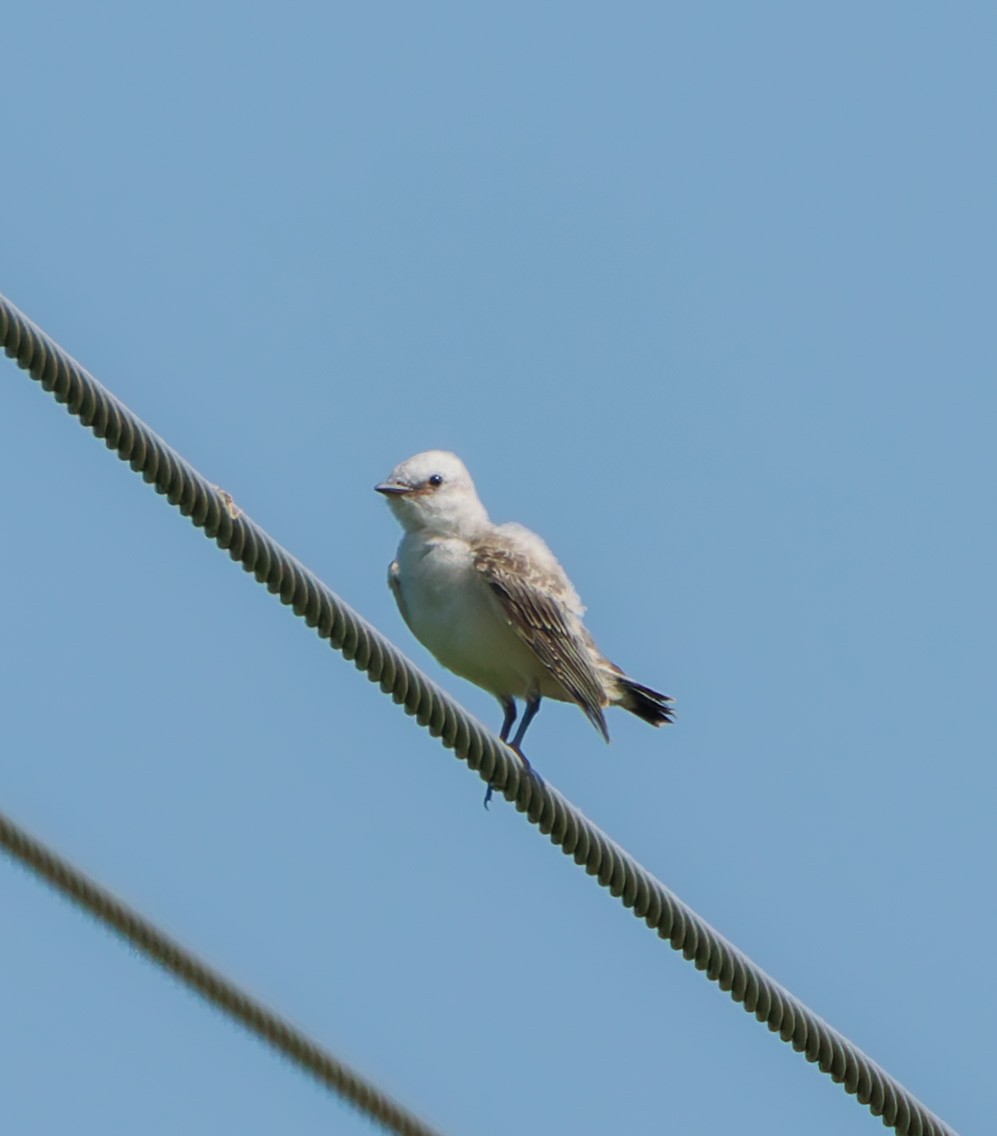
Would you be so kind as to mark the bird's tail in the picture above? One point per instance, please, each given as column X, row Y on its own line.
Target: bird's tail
column 644, row 702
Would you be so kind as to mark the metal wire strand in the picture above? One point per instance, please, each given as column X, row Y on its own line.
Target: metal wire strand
column 648, row 898
column 212, row 986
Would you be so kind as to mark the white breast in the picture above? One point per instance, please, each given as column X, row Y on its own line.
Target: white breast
column 449, row 609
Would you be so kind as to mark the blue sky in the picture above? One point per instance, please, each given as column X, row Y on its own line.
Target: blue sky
column 704, row 294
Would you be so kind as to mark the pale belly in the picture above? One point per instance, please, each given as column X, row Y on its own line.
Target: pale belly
column 449, row 609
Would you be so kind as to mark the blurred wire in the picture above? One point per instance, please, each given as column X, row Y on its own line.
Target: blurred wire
column 211, row 985
column 650, row 900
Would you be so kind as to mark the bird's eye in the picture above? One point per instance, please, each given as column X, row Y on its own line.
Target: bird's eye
column 436, row 480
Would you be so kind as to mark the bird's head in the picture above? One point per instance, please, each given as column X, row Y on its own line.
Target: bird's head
column 433, row 492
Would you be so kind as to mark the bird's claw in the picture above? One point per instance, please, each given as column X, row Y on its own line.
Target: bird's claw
column 526, row 763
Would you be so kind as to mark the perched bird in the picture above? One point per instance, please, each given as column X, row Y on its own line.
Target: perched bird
column 493, row 604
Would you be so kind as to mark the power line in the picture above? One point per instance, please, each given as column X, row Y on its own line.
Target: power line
column 212, row 986
column 565, row 826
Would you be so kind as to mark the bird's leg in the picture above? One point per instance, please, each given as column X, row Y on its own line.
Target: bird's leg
column 532, row 706
column 528, row 715
column 509, row 706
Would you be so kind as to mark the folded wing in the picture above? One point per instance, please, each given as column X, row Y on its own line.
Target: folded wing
column 539, row 604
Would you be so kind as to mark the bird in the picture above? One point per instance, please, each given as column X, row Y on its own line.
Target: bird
column 493, row 605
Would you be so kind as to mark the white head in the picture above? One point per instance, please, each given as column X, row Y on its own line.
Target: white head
column 433, row 492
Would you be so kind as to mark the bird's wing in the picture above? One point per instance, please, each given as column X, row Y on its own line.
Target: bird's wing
column 537, row 603
column 395, row 584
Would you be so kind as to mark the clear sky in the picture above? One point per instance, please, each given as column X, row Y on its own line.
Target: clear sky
column 702, row 293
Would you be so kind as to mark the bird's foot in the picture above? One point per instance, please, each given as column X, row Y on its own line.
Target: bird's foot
column 522, row 756
column 529, row 769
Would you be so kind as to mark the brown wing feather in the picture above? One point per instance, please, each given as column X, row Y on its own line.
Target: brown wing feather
column 536, row 615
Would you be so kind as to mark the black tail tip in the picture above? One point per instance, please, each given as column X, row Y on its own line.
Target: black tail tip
column 646, row 703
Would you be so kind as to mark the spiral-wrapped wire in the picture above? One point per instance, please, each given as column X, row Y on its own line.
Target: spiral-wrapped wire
column 648, row 898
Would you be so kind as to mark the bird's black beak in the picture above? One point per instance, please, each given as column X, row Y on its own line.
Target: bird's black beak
column 393, row 488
